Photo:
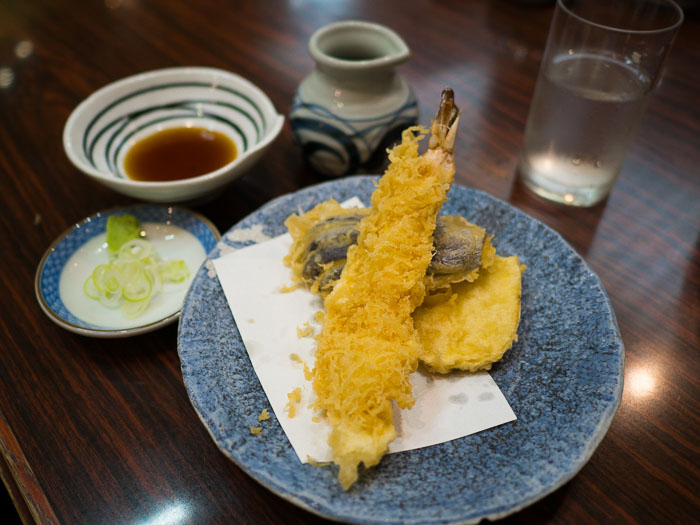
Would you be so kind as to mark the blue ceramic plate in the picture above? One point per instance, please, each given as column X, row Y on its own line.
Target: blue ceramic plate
column 563, row 379
column 176, row 233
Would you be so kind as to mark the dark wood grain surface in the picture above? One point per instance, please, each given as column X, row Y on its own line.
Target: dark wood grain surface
column 102, row 431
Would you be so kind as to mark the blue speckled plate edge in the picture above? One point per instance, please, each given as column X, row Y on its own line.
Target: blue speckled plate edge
column 96, row 331
column 362, row 185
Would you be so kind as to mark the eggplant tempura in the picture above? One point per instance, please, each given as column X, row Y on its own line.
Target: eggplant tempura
column 323, row 235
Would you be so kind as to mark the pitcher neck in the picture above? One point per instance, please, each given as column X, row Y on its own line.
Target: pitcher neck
column 357, row 49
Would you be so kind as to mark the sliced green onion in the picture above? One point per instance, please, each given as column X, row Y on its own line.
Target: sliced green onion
column 90, row 289
column 98, row 276
column 135, row 249
column 131, row 310
column 175, row 271
column 153, row 272
column 138, row 288
column 111, row 299
column 107, row 278
column 133, row 278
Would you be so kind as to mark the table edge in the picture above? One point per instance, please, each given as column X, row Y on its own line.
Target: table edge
column 24, row 488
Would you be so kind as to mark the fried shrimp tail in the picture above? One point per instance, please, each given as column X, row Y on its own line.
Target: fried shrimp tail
column 443, row 130
column 368, row 346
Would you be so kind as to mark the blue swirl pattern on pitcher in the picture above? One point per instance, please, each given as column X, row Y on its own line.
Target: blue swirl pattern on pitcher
column 335, row 145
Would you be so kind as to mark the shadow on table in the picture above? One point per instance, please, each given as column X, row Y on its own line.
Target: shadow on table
column 543, row 511
column 7, row 509
column 137, row 349
column 580, row 224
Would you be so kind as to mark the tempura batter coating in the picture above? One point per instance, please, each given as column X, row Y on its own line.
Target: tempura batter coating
column 368, row 346
column 477, row 324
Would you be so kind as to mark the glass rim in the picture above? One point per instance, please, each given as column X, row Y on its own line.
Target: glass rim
column 669, row 28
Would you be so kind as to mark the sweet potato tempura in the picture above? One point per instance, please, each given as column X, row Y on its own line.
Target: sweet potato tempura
column 368, row 346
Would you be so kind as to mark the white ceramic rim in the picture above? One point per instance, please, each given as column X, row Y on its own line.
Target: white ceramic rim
column 318, row 55
column 275, row 127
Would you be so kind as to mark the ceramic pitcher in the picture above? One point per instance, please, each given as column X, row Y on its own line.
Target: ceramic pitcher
column 353, row 98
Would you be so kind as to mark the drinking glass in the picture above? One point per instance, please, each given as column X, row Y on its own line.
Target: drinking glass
column 602, row 61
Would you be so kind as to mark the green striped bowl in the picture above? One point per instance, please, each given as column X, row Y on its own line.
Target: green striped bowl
column 102, row 128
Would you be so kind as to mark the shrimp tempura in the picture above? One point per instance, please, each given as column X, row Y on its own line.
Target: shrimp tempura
column 368, row 346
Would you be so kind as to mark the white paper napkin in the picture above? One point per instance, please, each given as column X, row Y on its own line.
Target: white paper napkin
column 269, row 320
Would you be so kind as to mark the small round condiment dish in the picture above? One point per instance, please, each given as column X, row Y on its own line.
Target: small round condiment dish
column 102, row 129
column 176, row 234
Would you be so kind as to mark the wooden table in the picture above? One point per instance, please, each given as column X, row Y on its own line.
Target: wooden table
column 102, row 431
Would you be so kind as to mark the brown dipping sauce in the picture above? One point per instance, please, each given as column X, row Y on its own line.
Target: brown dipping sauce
column 178, row 153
